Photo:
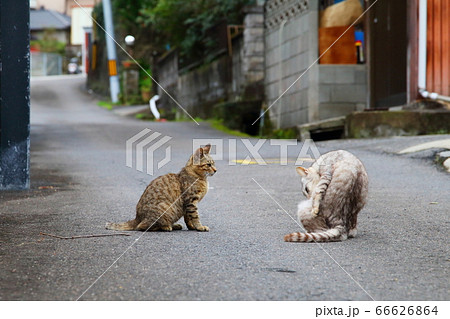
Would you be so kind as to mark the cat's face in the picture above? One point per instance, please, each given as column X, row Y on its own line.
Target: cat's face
column 310, row 178
column 202, row 162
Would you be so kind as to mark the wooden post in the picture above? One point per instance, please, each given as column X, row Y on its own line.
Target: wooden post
column 412, row 51
column 14, row 94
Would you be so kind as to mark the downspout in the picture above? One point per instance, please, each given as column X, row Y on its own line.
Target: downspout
column 423, row 56
column 422, row 45
column 434, row 96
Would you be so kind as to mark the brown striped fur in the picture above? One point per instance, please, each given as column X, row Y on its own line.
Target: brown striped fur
column 172, row 196
column 336, row 187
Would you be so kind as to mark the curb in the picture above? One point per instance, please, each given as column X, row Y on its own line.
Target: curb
column 130, row 110
column 443, row 158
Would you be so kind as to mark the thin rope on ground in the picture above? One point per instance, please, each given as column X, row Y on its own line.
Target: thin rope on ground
column 135, row 241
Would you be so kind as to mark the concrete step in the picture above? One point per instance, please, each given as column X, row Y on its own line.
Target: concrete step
column 397, row 123
column 324, row 126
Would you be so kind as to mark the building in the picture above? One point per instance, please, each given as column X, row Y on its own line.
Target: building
column 63, row 6
column 43, row 20
column 406, row 56
column 80, row 13
column 306, row 65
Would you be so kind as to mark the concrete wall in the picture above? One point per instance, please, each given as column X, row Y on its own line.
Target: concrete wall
column 342, row 89
column 323, row 91
column 291, row 47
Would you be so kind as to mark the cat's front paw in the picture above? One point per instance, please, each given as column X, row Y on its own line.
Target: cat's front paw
column 202, row 228
column 177, row 227
column 315, row 211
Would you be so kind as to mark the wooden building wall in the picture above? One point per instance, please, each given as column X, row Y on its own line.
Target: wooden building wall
column 438, row 46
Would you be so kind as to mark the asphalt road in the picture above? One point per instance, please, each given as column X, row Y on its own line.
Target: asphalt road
column 80, row 182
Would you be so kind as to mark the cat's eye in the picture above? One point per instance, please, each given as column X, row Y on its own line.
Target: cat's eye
column 307, row 189
column 209, row 164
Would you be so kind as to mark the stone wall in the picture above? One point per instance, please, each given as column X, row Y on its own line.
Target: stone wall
column 238, row 77
column 253, row 45
column 167, row 70
column 167, row 76
column 198, row 90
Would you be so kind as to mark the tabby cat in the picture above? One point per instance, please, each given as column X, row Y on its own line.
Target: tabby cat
column 336, row 187
column 172, row 196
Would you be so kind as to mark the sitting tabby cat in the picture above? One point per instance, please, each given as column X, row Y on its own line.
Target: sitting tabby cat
column 169, row 197
column 336, row 187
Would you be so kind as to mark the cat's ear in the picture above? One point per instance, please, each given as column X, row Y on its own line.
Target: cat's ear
column 206, row 148
column 302, row 171
column 198, row 154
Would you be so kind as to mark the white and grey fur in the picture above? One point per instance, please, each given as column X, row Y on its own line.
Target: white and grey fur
column 336, row 187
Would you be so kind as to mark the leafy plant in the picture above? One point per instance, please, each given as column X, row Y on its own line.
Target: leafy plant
column 49, row 43
column 442, row 131
column 184, row 24
column 218, row 125
column 105, row 104
column 289, row 133
column 145, row 82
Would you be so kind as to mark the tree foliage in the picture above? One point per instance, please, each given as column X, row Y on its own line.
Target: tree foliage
column 160, row 25
column 49, row 43
column 176, row 23
column 126, row 22
column 184, row 24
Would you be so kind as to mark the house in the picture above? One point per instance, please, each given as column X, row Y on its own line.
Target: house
column 79, row 15
column 305, row 65
column 406, row 58
column 63, row 6
column 430, row 49
column 43, row 20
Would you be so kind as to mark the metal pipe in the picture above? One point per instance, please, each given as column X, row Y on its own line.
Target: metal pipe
column 422, row 74
column 153, row 108
column 434, row 96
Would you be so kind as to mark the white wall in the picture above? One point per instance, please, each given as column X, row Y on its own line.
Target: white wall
column 81, row 17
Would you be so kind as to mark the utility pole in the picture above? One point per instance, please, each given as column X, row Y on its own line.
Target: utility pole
column 114, row 87
column 14, row 94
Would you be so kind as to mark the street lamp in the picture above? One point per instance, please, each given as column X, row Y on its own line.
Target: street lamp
column 129, row 40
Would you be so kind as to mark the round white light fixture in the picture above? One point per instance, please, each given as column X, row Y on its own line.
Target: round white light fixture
column 129, row 40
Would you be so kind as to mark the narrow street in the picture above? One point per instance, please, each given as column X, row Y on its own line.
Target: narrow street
column 79, row 181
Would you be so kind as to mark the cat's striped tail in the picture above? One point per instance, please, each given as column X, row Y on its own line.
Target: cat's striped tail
column 333, row 234
column 129, row 225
